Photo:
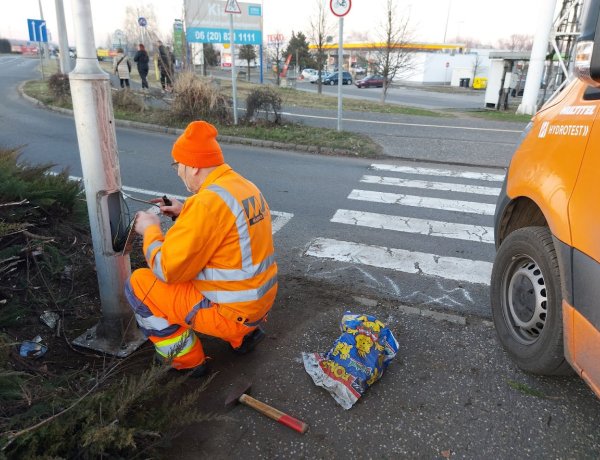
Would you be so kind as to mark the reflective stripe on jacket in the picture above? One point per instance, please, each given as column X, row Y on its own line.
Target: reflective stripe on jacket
column 222, row 242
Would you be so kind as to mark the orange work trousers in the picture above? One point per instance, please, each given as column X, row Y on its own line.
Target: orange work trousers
column 168, row 315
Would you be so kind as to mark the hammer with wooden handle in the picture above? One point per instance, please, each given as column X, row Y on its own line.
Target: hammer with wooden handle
column 239, row 394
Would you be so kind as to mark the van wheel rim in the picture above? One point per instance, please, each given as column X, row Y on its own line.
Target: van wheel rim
column 526, row 300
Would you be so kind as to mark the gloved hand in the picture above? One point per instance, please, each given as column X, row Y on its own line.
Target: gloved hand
column 169, row 206
column 143, row 220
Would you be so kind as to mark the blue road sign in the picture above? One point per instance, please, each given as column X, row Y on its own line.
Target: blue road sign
column 142, row 22
column 254, row 10
column 37, row 30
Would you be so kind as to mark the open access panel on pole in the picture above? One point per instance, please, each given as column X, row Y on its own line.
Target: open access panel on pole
column 207, row 22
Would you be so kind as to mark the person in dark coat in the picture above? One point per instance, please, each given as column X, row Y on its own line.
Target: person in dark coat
column 142, row 59
column 164, row 66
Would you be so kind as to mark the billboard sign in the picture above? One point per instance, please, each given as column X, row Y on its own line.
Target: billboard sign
column 207, row 22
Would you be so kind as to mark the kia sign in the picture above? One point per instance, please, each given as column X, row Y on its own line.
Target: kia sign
column 207, row 22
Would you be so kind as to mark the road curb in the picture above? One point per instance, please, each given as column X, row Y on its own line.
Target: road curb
column 222, row 138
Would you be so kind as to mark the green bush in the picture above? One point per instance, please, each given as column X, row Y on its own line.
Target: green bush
column 58, row 85
column 264, row 100
column 196, row 99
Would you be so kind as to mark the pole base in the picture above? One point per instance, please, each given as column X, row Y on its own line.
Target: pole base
column 108, row 345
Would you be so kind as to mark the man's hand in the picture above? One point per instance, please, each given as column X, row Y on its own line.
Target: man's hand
column 144, row 220
column 173, row 210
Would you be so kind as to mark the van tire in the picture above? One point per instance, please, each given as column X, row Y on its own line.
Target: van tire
column 526, row 301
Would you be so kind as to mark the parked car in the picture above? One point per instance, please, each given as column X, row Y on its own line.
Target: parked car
column 370, row 81
column 358, row 69
column 314, row 78
column 307, row 73
column 332, row 79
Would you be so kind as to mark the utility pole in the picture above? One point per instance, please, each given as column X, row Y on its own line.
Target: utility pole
column 116, row 333
column 538, row 58
column 63, row 43
column 340, row 72
column 44, row 45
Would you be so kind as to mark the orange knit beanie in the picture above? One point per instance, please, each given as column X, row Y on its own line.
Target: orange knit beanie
column 198, row 147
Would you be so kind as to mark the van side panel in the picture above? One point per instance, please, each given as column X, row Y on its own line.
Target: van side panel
column 569, row 334
column 584, row 217
column 545, row 166
column 584, row 208
column 587, row 351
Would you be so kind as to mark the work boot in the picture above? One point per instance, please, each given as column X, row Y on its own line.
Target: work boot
column 195, row 372
column 250, row 341
column 199, row 371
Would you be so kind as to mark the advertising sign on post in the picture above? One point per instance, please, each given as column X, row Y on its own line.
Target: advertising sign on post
column 208, row 22
column 178, row 39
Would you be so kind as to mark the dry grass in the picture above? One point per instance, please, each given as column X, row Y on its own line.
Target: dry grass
column 198, row 99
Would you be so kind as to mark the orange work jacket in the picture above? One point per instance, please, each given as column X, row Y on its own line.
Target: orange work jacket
column 222, row 242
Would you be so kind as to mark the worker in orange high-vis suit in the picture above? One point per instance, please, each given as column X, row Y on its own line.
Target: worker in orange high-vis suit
column 214, row 270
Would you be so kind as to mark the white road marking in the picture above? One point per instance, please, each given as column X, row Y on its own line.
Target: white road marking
column 439, row 172
column 485, row 209
column 397, row 123
column 445, row 186
column 470, row 271
column 413, row 225
column 279, row 220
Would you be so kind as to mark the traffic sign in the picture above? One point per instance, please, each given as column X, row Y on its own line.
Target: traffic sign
column 233, row 7
column 340, row 7
column 37, row 30
column 142, row 22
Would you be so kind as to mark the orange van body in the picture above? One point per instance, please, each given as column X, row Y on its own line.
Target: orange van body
column 554, row 181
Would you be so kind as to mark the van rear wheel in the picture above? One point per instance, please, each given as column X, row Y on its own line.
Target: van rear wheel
column 526, row 301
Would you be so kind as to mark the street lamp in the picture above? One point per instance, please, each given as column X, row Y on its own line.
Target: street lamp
column 447, row 18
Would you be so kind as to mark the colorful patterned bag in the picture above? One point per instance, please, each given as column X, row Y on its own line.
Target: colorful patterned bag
column 357, row 360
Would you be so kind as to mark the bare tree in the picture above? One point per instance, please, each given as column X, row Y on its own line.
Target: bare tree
column 476, row 67
column 469, row 42
column 393, row 58
column 275, row 53
column 135, row 34
column 247, row 53
column 320, row 30
column 516, row 42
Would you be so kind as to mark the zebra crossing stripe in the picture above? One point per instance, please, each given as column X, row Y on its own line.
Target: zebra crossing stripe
column 423, row 202
column 465, row 270
column 444, row 186
column 439, row 172
column 279, row 219
column 417, row 226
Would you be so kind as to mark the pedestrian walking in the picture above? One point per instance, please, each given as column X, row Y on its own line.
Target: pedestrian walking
column 122, row 67
column 142, row 59
column 165, row 61
column 214, row 271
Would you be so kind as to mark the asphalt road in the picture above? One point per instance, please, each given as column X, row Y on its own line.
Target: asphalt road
column 348, row 237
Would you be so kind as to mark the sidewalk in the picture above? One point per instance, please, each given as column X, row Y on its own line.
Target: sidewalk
column 451, row 392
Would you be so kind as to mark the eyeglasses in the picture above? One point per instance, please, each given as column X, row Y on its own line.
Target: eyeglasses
column 175, row 165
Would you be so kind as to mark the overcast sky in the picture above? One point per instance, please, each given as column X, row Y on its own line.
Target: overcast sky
column 486, row 20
